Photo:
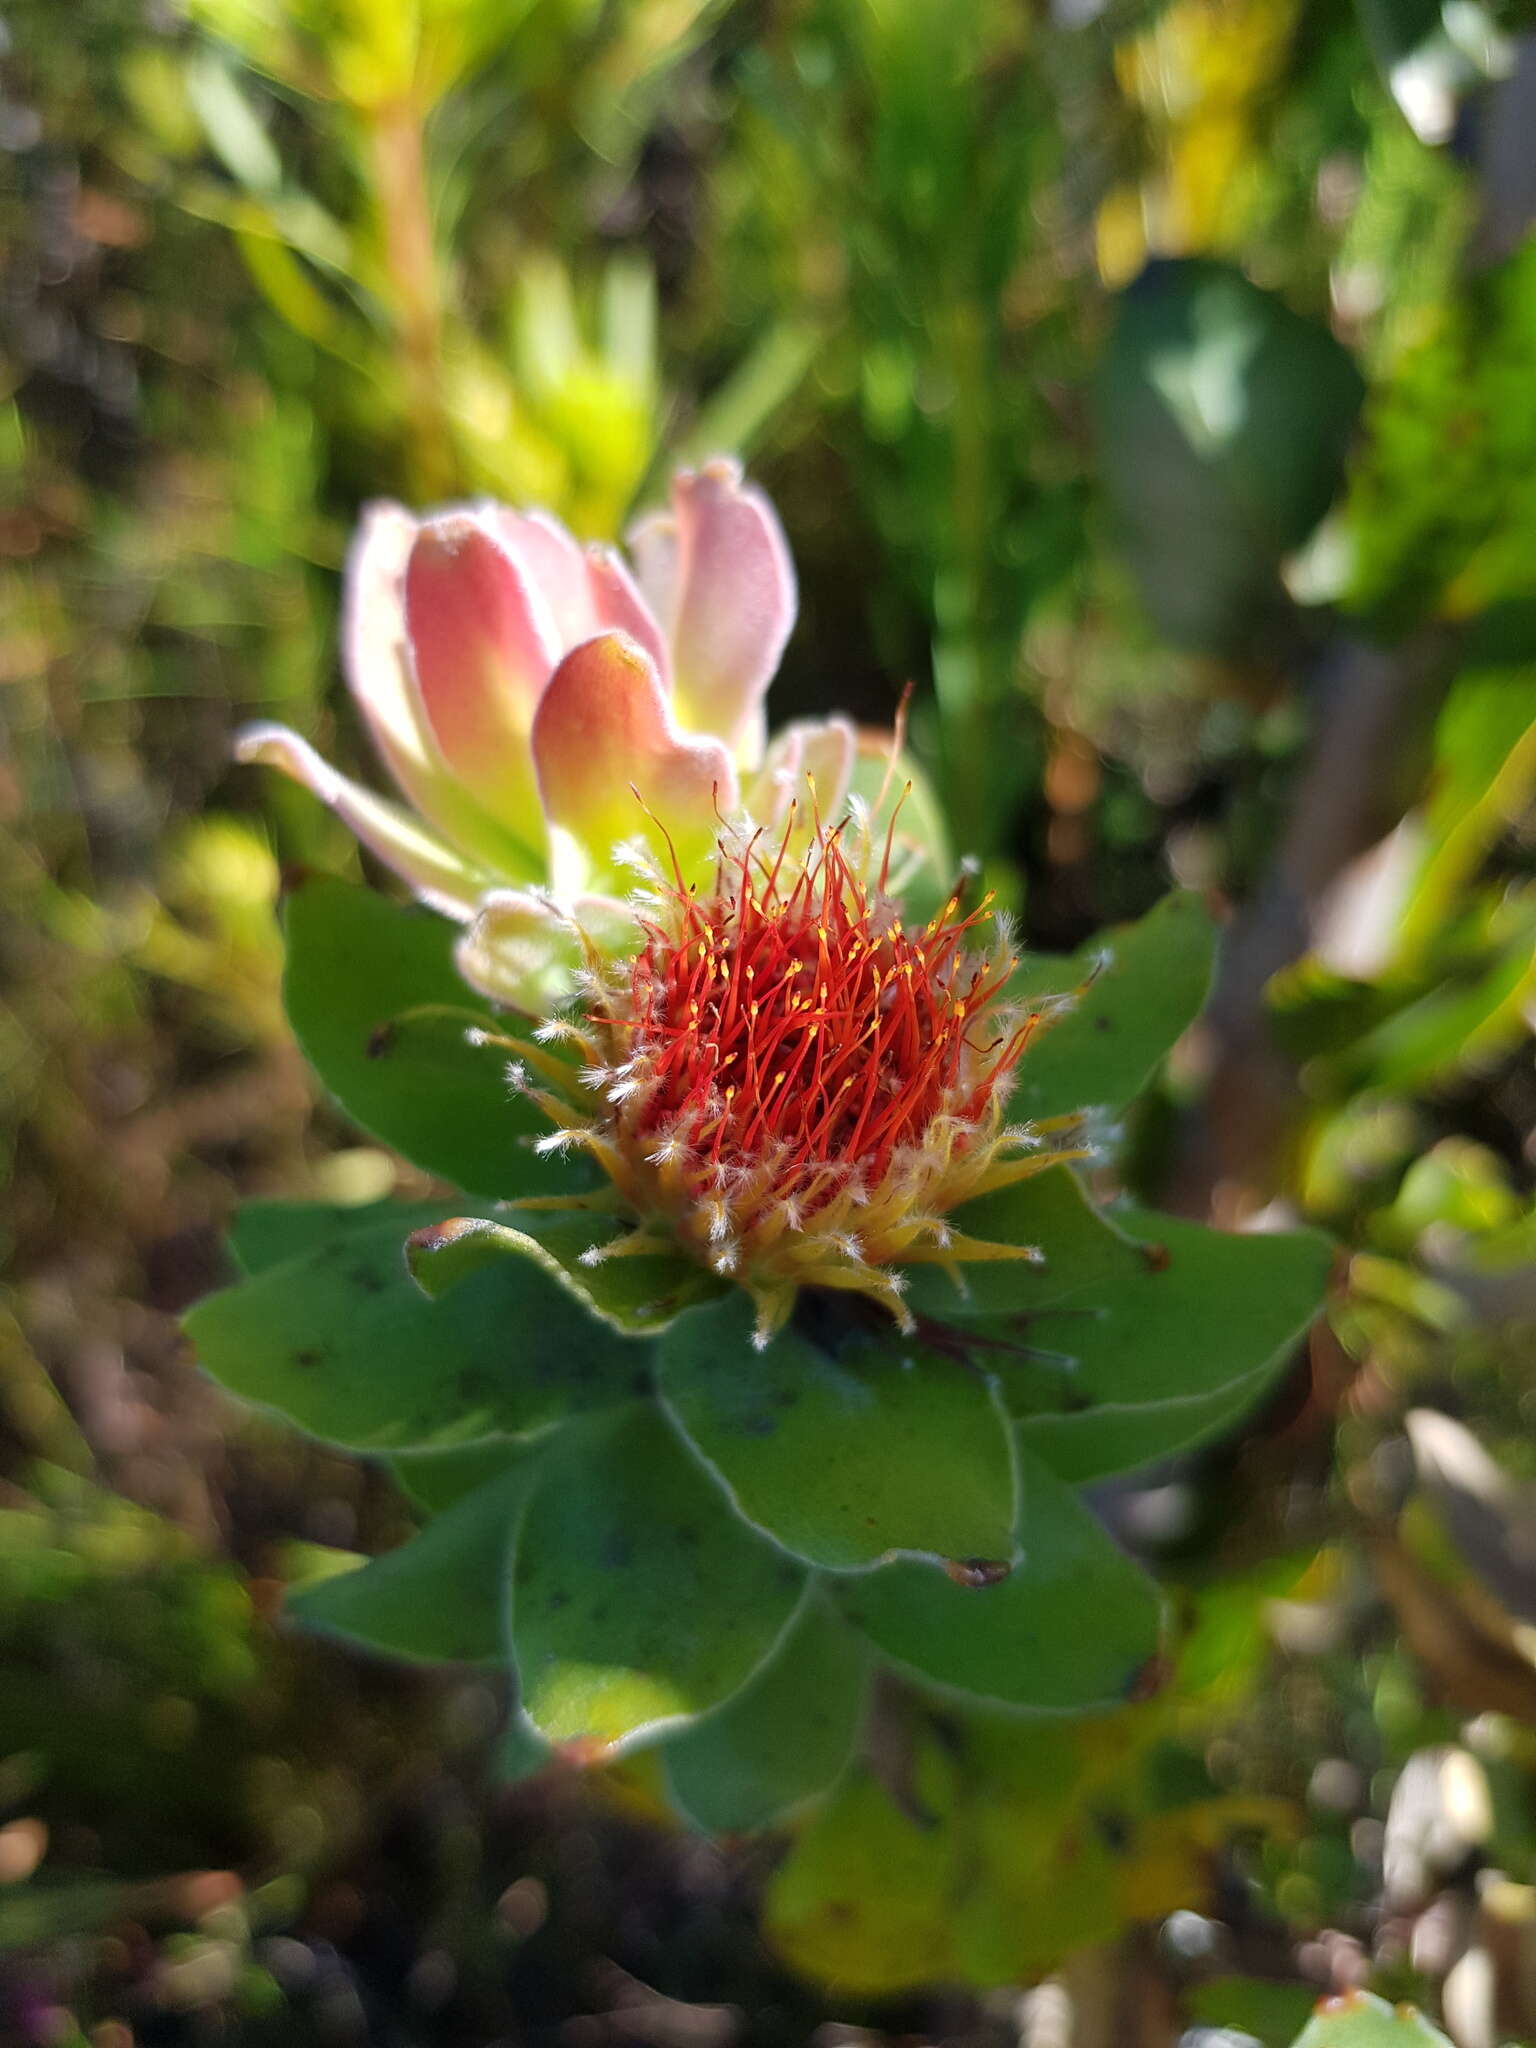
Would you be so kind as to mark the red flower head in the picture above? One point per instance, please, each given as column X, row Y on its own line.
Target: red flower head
column 793, row 1084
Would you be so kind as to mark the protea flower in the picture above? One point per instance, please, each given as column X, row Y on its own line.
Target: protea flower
column 540, row 706
column 794, row 1069
column 781, row 1074
column 791, row 1083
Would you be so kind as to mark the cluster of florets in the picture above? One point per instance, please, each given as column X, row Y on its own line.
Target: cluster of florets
column 793, row 1083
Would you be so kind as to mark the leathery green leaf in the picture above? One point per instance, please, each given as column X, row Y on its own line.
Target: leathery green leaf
column 1134, row 991
column 436, row 1480
column 1072, row 1627
column 636, row 1294
column 639, row 1599
column 785, row 1736
column 442, row 1596
column 342, row 1343
column 845, row 1443
column 1117, row 1349
column 388, row 1024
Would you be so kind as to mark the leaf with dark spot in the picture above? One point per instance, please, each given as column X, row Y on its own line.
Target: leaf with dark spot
column 844, row 1440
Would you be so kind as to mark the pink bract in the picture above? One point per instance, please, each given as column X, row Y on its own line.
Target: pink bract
column 539, row 705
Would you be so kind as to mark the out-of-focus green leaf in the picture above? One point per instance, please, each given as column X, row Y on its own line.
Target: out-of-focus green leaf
column 1443, row 496
column 288, row 287
column 1315, row 1012
column 385, row 1019
column 1270, row 2013
column 1015, row 1841
column 44, row 1910
column 1224, row 418
column 1139, row 988
column 770, row 373
column 234, row 130
column 1477, row 1012
column 785, row 1736
column 843, row 1444
column 649, row 41
column 1485, row 768
column 868, row 1895
column 442, row 1596
column 639, row 1599
column 1027, row 1641
column 266, row 1233
column 341, row 1343
column 1455, row 1186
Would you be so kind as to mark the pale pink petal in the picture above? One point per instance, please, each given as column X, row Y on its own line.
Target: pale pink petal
column 769, row 794
column 383, row 682
column 373, row 645
column 434, row 871
column 810, row 763
column 482, row 647
column 733, row 601
column 556, row 565
column 586, row 590
column 831, row 748
column 622, row 609
column 611, row 758
column 653, row 549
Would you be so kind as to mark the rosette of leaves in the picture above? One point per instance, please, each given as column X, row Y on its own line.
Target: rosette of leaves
column 675, row 1539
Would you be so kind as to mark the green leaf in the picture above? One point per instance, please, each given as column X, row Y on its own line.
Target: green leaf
column 266, row 1233
column 1469, row 1019
column 345, row 1346
column 1116, row 1349
column 435, row 1480
column 384, row 1018
column 1224, row 419
column 1355, row 2019
column 1269, row 2012
column 1070, row 1629
column 60, row 1909
column 442, row 1596
column 637, row 1294
column 1484, row 771
column 231, row 123
column 639, row 1599
column 1143, row 985
column 523, row 1750
column 1005, row 1844
column 1105, row 1439
column 783, row 1739
column 735, row 413
column 867, row 1897
column 844, row 1444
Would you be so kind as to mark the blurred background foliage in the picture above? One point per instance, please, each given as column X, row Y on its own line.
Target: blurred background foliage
column 1155, row 386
